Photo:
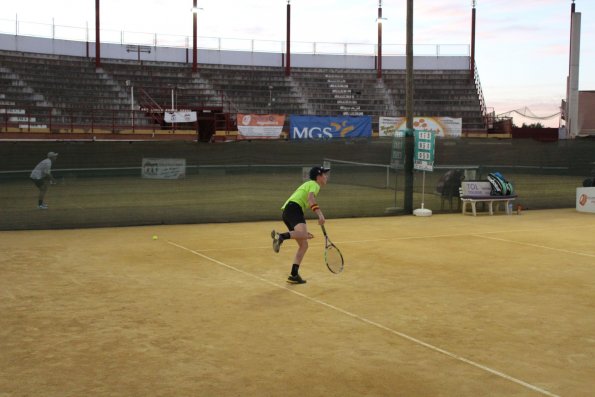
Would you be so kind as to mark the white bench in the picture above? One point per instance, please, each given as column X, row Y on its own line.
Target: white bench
column 473, row 192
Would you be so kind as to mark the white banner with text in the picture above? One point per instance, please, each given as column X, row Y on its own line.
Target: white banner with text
column 585, row 199
column 179, row 117
column 442, row 127
column 260, row 126
column 163, row 168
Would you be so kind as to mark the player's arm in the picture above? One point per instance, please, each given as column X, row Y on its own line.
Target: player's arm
column 315, row 208
column 48, row 174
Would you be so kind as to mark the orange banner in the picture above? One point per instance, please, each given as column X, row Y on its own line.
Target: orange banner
column 260, row 126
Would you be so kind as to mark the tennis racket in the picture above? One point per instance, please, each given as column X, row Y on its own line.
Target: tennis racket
column 332, row 255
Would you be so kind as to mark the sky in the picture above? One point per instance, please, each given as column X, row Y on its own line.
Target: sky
column 522, row 46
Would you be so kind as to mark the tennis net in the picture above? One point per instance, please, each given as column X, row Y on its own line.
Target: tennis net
column 381, row 176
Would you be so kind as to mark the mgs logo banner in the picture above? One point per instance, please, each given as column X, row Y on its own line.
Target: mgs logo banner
column 324, row 127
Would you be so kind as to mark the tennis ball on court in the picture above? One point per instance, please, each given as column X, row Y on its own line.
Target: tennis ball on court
column 155, row 237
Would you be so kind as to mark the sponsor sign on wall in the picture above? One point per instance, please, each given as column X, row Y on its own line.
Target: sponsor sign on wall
column 179, row 117
column 163, row 168
column 441, row 126
column 260, row 126
column 477, row 188
column 585, row 199
column 324, row 127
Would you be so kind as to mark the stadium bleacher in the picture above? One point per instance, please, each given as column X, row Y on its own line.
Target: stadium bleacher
column 63, row 93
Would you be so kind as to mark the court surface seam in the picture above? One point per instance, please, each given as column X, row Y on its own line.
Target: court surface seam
column 536, row 246
column 375, row 324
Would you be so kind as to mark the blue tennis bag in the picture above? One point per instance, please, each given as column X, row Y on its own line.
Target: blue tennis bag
column 500, row 186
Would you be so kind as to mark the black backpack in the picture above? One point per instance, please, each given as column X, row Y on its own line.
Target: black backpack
column 500, row 186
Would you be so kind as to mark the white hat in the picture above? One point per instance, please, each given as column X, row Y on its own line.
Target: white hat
column 52, row 154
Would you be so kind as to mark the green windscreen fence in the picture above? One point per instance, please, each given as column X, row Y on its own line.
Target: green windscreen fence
column 139, row 183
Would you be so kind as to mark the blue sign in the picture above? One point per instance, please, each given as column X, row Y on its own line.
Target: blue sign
column 324, row 127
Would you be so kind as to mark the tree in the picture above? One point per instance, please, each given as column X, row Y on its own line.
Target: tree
column 532, row 125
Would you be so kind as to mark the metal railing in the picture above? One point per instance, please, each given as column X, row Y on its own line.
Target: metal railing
column 85, row 34
column 88, row 120
column 482, row 102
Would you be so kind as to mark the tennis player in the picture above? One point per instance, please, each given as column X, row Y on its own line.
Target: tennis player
column 293, row 216
column 42, row 176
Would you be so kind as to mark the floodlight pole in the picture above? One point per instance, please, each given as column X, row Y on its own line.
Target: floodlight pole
column 379, row 62
column 472, row 64
column 288, row 41
column 572, row 90
column 97, row 40
column 572, row 11
column 194, row 38
column 408, row 200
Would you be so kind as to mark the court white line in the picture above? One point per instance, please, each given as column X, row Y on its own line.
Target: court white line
column 376, row 240
column 536, row 246
column 507, row 231
column 373, row 323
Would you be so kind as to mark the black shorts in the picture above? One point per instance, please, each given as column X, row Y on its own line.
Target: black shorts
column 293, row 215
column 39, row 182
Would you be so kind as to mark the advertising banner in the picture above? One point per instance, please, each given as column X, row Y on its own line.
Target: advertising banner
column 260, row 126
column 442, row 126
column 387, row 126
column 423, row 155
column 179, row 117
column 585, row 199
column 327, row 127
column 163, row 168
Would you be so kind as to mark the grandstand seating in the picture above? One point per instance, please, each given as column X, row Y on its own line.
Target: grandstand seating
column 49, row 90
column 347, row 92
column 255, row 89
column 59, row 91
column 444, row 93
column 159, row 81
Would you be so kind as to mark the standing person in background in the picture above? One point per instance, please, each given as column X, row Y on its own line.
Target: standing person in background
column 293, row 217
column 42, row 176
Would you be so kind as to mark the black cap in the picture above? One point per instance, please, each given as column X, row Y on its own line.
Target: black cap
column 315, row 171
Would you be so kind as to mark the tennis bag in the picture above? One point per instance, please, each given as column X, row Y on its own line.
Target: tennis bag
column 500, row 186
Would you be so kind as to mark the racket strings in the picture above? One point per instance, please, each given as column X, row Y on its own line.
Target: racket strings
column 334, row 260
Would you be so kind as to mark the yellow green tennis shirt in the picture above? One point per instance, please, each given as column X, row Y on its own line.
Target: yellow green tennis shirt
column 300, row 196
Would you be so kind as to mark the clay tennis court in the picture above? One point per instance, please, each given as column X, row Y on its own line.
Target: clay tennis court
column 448, row 305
